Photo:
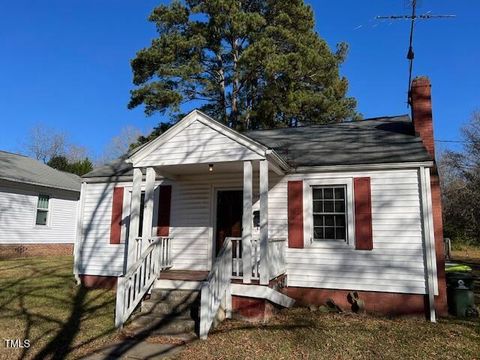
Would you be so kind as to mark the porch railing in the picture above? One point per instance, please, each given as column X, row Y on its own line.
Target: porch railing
column 132, row 287
column 276, row 258
column 216, row 289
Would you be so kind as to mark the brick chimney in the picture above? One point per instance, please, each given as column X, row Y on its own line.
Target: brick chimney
column 421, row 103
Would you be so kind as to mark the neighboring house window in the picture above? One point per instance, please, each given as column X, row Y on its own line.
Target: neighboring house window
column 329, row 213
column 42, row 210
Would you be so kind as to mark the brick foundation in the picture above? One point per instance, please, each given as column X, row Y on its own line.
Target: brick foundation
column 98, row 282
column 251, row 309
column 390, row 304
column 25, row 250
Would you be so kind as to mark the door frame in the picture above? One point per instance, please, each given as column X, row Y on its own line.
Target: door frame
column 213, row 217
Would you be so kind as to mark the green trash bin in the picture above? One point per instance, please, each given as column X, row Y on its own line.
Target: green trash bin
column 460, row 295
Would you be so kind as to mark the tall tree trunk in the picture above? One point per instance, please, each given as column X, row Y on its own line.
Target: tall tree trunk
column 223, row 94
column 235, row 86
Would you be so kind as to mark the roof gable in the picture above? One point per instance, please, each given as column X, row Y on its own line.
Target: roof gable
column 196, row 139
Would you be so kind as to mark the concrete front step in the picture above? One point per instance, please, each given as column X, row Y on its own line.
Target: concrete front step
column 158, row 308
column 163, row 326
column 175, row 297
column 167, row 312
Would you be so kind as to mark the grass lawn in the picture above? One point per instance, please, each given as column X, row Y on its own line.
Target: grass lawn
column 40, row 302
column 300, row 334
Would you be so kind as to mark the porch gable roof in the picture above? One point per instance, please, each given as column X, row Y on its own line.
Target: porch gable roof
column 197, row 138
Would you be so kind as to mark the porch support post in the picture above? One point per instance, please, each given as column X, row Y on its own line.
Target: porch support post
column 134, row 216
column 247, row 220
column 148, row 212
column 264, row 261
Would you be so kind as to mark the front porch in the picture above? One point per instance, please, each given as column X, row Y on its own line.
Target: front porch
column 200, row 213
column 185, row 226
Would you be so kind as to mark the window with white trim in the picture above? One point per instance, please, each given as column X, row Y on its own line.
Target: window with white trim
column 329, row 213
column 42, row 210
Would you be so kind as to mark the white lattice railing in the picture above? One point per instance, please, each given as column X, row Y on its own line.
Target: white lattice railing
column 132, row 287
column 216, row 289
column 276, row 258
column 237, row 261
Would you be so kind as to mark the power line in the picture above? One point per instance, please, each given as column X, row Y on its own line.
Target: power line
column 451, row 141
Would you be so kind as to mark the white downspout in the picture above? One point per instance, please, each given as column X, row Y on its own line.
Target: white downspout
column 429, row 240
column 78, row 233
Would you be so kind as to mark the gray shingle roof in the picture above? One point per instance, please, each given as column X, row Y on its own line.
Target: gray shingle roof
column 19, row 168
column 371, row 141
column 116, row 168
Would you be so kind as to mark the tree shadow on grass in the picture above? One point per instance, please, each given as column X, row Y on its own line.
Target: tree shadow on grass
column 40, row 302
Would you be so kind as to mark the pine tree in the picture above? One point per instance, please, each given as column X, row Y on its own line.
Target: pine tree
column 249, row 64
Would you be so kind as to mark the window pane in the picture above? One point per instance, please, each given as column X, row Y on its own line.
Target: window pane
column 318, row 233
column 329, row 212
column 317, row 206
column 317, row 220
column 329, row 220
column 340, row 233
column 328, row 206
column 328, row 193
column 340, row 220
column 339, row 193
column 329, row 233
column 317, row 193
column 41, row 217
column 340, row 206
column 42, row 202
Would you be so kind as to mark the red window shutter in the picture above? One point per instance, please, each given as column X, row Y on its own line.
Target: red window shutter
column 164, row 205
column 295, row 214
column 117, row 209
column 363, row 213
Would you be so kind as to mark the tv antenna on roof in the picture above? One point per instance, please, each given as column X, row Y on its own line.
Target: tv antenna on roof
column 413, row 17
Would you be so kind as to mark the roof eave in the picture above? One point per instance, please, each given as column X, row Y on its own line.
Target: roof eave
column 40, row 184
column 369, row 166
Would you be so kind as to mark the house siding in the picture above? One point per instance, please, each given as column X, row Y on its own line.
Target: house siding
column 94, row 253
column 18, row 206
column 396, row 262
column 394, row 265
column 198, row 143
column 191, row 224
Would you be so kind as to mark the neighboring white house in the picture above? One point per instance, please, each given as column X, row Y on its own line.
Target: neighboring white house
column 38, row 207
column 327, row 209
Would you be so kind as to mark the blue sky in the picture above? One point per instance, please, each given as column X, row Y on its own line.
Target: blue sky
column 66, row 63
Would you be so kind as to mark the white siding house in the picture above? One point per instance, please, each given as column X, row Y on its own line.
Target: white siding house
column 38, row 207
column 327, row 209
